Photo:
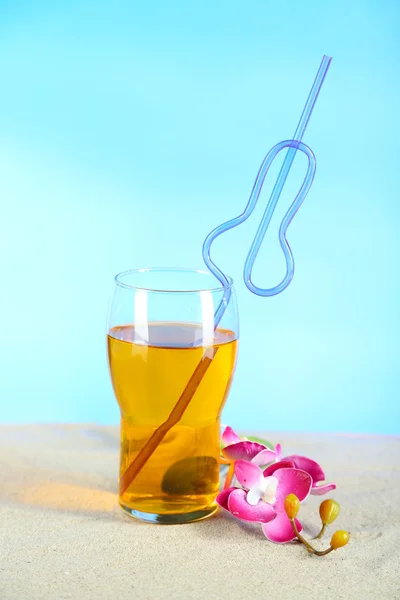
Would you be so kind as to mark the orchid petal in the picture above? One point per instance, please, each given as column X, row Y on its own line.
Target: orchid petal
column 278, row 451
column 230, row 437
column 319, row 490
column 280, row 530
column 254, row 495
column 271, row 483
column 291, row 481
column 222, row 498
column 281, row 464
column 308, row 465
column 241, row 509
column 242, row 451
column 249, row 475
column 264, row 457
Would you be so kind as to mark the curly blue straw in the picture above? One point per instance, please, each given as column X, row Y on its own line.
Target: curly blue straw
column 293, row 146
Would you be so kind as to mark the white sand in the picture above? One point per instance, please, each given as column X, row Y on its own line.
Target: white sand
column 63, row 536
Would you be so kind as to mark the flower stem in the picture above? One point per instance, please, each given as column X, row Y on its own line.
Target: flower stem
column 229, row 476
column 307, row 545
column 321, row 533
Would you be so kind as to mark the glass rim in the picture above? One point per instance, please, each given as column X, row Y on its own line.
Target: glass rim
column 123, row 284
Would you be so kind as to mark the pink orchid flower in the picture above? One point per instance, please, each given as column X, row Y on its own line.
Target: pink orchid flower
column 304, row 464
column 237, row 448
column 263, row 498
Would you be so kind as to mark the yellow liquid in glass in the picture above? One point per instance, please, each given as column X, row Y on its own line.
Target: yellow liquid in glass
column 182, row 475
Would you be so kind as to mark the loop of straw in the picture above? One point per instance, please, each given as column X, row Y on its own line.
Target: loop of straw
column 263, row 226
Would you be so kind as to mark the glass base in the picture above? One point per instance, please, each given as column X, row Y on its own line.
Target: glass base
column 170, row 519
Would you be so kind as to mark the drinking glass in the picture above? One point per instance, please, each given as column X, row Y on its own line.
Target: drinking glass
column 171, row 367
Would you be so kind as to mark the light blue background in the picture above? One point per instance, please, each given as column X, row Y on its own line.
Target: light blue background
column 128, row 130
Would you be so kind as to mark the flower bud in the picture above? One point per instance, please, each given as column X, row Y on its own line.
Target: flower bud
column 328, row 511
column 292, row 505
column 340, row 538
